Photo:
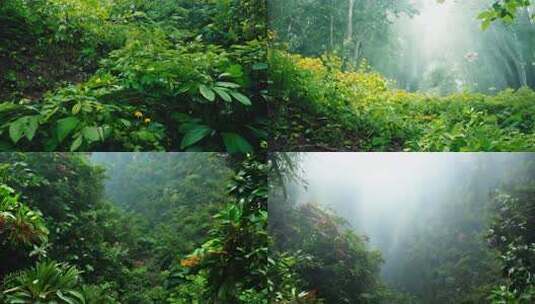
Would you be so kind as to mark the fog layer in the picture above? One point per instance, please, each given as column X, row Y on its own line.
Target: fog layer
column 400, row 199
column 444, row 49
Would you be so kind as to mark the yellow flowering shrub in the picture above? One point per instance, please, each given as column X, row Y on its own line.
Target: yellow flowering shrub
column 327, row 107
column 314, row 65
column 361, row 86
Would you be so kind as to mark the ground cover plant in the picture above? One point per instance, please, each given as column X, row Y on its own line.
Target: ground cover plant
column 129, row 75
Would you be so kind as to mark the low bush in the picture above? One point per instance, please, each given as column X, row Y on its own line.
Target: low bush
column 320, row 106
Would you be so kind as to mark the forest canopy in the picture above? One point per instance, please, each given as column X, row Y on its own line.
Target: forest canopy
column 175, row 228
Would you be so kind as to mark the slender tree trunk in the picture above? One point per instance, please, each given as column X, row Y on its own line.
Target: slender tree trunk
column 331, row 30
column 356, row 55
column 349, row 32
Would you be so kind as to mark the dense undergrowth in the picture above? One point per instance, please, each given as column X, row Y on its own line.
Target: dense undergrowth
column 80, row 75
column 315, row 255
column 62, row 241
column 319, row 106
column 318, row 259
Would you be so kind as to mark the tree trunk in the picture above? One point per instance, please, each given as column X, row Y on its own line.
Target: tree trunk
column 331, row 33
column 349, row 33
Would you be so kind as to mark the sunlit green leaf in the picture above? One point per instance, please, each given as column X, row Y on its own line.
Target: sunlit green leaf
column 207, row 92
column 65, row 126
column 76, row 143
column 241, row 98
column 223, row 94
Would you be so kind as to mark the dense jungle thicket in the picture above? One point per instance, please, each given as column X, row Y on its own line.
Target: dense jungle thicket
column 132, row 75
column 179, row 228
column 409, row 75
column 403, row 228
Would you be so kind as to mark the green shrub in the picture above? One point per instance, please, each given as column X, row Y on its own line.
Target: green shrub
column 175, row 76
column 320, row 106
column 47, row 282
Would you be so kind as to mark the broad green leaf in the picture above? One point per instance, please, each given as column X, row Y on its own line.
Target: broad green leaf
column 145, row 136
column 77, row 295
column 485, row 15
column 76, row 143
column 31, row 127
column 223, row 94
column 105, row 131
column 194, row 135
column 24, row 126
column 16, row 130
column 236, row 143
column 92, row 134
column 206, row 92
column 241, row 98
column 65, row 126
column 485, row 24
column 223, row 75
column 229, row 85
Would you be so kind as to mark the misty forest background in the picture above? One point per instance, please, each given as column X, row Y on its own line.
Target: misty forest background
column 408, row 75
column 107, row 228
column 132, row 75
column 403, row 228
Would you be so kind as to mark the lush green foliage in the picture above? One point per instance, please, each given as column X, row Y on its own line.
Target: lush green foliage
column 179, row 76
column 503, row 10
column 389, row 76
column 19, row 224
column 512, row 236
column 319, row 106
column 157, row 245
column 231, row 265
column 46, row 283
column 353, row 29
column 434, row 45
column 316, row 256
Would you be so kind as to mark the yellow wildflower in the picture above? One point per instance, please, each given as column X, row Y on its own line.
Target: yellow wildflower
column 147, row 120
column 138, row 114
column 311, row 64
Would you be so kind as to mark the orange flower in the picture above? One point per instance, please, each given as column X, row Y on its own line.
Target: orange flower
column 191, row 261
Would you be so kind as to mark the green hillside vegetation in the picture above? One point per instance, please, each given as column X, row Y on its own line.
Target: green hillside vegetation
column 322, row 107
column 129, row 75
column 196, row 233
column 352, row 75
column 475, row 247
